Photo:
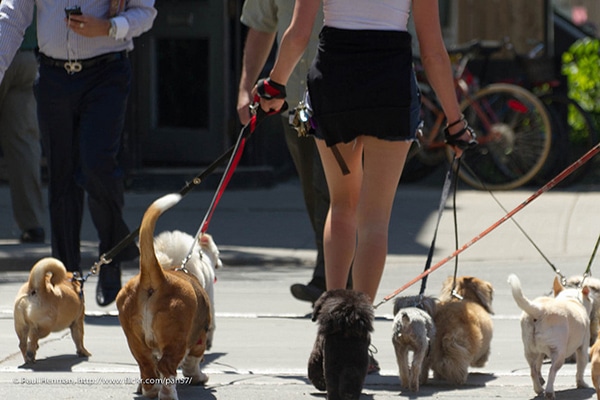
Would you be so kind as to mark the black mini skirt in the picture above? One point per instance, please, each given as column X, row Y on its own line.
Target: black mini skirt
column 360, row 84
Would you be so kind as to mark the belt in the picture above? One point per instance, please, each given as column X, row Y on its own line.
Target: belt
column 77, row 65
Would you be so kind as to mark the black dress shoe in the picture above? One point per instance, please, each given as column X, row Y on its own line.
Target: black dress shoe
column 109, row 284
column 35, row 235
column 308, row 292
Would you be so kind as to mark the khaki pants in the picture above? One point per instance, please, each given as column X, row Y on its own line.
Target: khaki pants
column 20, row 140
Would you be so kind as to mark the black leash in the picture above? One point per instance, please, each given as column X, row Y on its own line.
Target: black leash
column 588, row 270
column 453, row 292
column 259, row 115
column 448, row 181
column 557, row 271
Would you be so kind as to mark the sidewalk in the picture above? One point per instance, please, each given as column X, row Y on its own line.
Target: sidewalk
column 264, row 336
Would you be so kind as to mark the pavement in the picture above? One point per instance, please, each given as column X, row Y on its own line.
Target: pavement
column 264, row 336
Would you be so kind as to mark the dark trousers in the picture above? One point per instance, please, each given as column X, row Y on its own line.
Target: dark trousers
column 81, row 118
column 314, row 189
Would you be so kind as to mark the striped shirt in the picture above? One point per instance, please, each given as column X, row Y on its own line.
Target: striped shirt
column 56, row 40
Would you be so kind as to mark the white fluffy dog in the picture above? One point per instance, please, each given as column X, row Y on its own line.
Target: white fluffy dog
column 171, row 247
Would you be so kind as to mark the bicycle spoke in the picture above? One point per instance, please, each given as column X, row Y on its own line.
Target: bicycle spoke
column 513, row 134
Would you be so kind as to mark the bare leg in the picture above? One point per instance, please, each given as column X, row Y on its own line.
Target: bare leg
column 339, row 247
column 356, row 231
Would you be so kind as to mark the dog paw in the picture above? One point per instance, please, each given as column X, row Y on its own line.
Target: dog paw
column 582, row 385
column 30, row 357
column 199, row 379
column 151, row 391
column 83, row 353
column 549, row 396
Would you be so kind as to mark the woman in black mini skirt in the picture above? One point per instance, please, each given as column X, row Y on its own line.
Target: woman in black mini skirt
column 361, row 87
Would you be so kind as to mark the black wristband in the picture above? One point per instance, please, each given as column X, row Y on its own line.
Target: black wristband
column 269, row 89
column 458, row 121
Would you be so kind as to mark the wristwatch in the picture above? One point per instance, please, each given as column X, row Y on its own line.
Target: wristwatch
column 112, row 32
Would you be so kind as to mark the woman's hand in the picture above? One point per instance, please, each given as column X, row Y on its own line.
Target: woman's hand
column 272, row 95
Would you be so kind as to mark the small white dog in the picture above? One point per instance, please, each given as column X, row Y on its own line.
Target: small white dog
column 171, row 247
column 554, row 327
column 413, row 331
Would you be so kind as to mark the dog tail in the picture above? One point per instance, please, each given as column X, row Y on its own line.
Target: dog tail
column 45, row 266
column 524, row 304
column 151, row 273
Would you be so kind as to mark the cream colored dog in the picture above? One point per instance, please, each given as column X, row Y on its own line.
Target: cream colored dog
column 464, row 328
column 165, row 315
column 594, row 285
column 554, row 327
column 595, row 361
column 49, row 302
column 172, row 247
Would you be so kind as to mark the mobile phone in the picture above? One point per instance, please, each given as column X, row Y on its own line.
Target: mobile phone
column 72, row 10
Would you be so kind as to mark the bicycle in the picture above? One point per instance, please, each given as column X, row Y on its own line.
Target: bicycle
column 512, row 125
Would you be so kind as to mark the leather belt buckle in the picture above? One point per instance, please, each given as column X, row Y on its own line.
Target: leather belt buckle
column 73, row 67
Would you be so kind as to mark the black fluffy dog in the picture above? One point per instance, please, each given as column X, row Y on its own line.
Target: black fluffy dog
column 340, row 358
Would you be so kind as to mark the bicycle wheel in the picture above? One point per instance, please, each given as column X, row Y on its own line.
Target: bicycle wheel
column 573, row 134
column 514, row 134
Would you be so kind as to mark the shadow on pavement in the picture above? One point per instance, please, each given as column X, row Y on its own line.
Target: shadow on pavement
column 61, row 363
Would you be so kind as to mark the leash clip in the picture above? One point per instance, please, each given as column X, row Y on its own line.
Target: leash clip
column 456, row 295
column 254, row 107
column 103, row 261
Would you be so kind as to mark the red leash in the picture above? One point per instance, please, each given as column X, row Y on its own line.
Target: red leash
column 556, row 180
column 258, row 116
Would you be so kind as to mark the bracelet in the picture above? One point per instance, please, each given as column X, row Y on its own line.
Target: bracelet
column 458, row 121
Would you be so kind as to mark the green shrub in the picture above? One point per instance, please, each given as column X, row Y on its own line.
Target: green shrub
column 581, row 66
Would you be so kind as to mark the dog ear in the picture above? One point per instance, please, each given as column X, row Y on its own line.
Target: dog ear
column 585, row 291
column 397, row 305
column 430, row 305
column 557, row 287
column 485, row 295
column 317, row 307
column 204, row 239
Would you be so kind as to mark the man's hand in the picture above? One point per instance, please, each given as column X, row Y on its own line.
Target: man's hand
column 88, row 26
column 243, row 106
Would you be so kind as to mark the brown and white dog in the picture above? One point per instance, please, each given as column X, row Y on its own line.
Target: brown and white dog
column 413, row 331
column 339, row 360
column 554, row 327
column 165, row 315
column 172, row 247
column 464, row 328
column 50, row 301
